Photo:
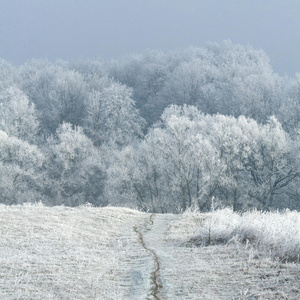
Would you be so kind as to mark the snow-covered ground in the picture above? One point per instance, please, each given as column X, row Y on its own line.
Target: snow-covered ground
column 118, row 253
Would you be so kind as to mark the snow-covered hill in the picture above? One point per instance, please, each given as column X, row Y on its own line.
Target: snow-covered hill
column 118, row 253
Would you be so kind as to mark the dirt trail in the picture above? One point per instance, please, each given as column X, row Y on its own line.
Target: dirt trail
column 151, row 236
column 155, row 286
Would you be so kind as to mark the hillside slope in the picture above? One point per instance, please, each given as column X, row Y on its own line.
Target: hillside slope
column 118, row 253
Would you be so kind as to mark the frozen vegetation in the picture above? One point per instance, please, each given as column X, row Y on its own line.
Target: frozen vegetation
column 273, row 234
column 161, row 132
column 119, row 253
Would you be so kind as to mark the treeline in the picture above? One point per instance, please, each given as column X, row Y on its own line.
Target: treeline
column 157, row 131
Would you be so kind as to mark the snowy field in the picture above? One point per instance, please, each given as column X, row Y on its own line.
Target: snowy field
column 118, row 253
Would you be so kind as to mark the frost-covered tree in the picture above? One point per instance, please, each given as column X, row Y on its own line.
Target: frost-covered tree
column 20, row 169
column 58, row 93
column 89, row 69
column 73, row 166
column 69, row 97
column 289, row 114
column 112, row 117
column 146, row 74
column 165, row 172
column 191, row 83
column 18, row 116
column 38, row 80
column 271, row 163
column 229, row 139
column 7, row 75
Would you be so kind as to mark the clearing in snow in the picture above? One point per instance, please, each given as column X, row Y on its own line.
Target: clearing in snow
column 118, row 253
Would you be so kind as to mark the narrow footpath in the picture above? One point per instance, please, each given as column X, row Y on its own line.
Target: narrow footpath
column 155, row 285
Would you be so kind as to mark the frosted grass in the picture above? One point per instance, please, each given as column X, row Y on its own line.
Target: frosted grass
column 70, row 253
column 271, row 233
column 95, row 253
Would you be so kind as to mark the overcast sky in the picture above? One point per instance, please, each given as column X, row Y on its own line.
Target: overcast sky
column 70, row 29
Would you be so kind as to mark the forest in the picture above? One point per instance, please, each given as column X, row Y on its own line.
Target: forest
column 196, row 128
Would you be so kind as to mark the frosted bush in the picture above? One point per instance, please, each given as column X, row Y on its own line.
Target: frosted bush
column 275, row 233
column 218, row 227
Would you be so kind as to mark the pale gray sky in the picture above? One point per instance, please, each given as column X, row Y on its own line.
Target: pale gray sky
column 70, row 29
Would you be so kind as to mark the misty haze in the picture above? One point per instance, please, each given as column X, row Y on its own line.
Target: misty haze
column 149, row 149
